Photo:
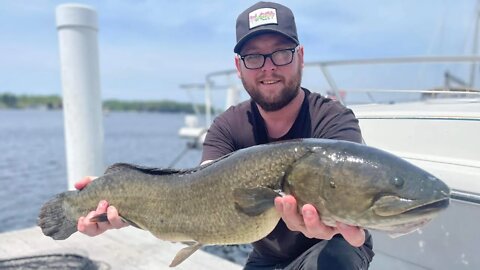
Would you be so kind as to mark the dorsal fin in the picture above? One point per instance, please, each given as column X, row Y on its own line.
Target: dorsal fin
column 125, row 167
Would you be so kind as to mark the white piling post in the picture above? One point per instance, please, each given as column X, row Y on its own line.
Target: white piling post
column 77, row 27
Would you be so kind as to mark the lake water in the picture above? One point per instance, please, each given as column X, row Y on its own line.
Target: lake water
column 32, row 159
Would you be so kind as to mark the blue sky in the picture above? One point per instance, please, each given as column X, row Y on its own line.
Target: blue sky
column 148, row 48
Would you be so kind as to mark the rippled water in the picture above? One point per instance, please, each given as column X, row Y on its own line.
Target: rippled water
column 32, row 155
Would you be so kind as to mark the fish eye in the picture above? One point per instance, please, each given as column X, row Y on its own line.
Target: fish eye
column 333, row 185
column 398, row 182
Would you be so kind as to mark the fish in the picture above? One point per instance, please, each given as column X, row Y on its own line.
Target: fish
column 231, row 200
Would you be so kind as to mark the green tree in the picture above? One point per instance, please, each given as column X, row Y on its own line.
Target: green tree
column 9, row 100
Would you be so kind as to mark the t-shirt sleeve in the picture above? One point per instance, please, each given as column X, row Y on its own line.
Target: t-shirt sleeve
column 338, row 123
column 219, row 140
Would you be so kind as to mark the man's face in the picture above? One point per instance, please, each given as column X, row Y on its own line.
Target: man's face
column 271, row 87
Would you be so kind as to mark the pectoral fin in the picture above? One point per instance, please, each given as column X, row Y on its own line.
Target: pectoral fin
column 254, row 201
column 184, row 253
column 103, row 218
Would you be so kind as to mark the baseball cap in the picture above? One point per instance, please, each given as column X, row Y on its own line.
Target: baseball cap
column 265, row 17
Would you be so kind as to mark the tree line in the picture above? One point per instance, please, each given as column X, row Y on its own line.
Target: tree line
column 11, row 101
column 54, row 102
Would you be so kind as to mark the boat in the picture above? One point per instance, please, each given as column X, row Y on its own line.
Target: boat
column 435, row 128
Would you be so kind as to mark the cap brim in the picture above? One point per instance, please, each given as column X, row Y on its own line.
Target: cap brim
column 257, row 32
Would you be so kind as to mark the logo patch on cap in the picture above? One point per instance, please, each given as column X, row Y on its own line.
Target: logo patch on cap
column 262, row 16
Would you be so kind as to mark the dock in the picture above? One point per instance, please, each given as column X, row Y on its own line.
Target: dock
column 127, row 248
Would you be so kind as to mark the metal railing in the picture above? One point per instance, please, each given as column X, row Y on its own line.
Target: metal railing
column 325, row 69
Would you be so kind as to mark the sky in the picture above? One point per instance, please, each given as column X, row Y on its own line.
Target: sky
column 147, row 49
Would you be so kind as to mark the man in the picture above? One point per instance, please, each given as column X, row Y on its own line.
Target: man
column 270, row 61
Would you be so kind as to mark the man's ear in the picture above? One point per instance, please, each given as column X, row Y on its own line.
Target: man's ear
column 237, row 65
column 300, row 55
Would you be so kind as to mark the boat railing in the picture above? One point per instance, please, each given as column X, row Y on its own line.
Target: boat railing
column 464, row 88
column 452, row 85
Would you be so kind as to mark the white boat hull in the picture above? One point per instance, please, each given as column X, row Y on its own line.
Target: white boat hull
column 442, row 138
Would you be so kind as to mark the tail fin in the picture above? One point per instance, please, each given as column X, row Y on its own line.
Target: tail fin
column 54, row 220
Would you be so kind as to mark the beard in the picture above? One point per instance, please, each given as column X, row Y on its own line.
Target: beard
column 282, row 99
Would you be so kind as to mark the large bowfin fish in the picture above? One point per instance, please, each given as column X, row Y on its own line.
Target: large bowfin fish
column 230, row 201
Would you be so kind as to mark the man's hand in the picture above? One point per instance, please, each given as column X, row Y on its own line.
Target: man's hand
column 92, row 228
column 309, row 223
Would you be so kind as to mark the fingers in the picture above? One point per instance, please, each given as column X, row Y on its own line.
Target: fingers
column 279, row 204
column 355, row 236
column 310, row 224
column 84, row 225
column 287, row 207
column 84, row 182
column 115, row 220
column 102, row 208
column 314, row 227
column 87, row 227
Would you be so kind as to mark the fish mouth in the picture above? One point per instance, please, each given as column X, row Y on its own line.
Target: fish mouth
column 391, row 205
column 429, row 207
column 406, row 228
column 409, row 220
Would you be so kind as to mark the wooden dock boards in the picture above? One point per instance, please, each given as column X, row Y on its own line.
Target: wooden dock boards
column 128, row 248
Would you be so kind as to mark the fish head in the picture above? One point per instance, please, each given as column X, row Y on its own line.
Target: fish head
column 364, row 186
column 406, row 197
